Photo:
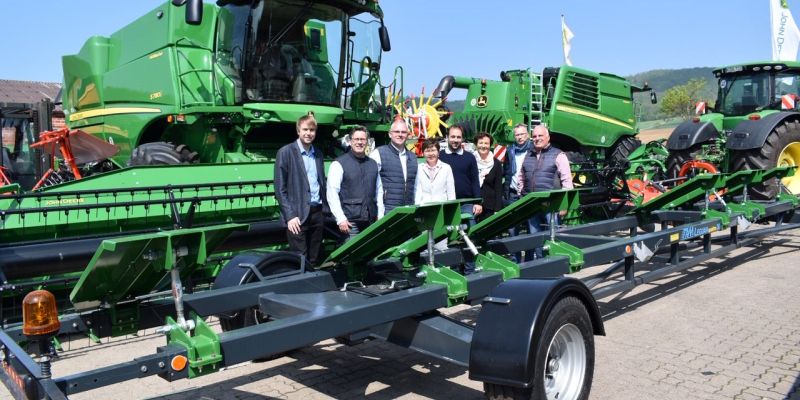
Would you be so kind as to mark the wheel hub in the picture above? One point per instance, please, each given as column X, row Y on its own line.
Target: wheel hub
column 565, row 370
column 552, row 365
column 790, row 157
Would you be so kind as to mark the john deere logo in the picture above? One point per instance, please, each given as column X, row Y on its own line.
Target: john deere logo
column 482, row 100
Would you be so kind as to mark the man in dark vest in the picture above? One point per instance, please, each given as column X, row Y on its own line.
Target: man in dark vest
column 397, row 168
column 545, row 168
column 300, row 191
column 354, row 187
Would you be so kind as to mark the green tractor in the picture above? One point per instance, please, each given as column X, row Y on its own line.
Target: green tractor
column 200, row 83
column 591, row 116
column 755, row 124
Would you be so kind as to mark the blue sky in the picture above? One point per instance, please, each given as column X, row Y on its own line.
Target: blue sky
column 434, row 38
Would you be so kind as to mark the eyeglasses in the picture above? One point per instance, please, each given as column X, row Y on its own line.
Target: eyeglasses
column 402, row 132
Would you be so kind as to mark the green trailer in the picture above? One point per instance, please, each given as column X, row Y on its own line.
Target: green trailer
column 385, row 284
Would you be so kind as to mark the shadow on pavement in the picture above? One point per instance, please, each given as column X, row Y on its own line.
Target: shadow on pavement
column 344, row 372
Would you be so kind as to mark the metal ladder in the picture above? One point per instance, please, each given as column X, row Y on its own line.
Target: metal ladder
column 536, row 109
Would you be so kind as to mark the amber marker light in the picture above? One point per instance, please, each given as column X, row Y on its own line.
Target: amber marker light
column 754, row 117
column 178, row 363
column 39, row 314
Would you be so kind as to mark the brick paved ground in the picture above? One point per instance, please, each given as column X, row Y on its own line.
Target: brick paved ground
column 729, row 330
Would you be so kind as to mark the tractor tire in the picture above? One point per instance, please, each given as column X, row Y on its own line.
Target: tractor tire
column 162, row 153
column 677, row 158
column 781, row 149
column 63, row 175
column 232, row 274
column 563, row 357
column 622, row 149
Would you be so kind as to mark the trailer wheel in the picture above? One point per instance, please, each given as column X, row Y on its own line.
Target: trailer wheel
column 564, row 358
column 162, row 153
column 234, row 274
column 782, row 149
column 622, row 149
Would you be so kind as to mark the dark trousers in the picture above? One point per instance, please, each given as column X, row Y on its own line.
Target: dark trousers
column 309, row 241
column 357, row 228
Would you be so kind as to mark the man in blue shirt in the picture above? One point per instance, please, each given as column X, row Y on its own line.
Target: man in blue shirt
column 465, row 171
column 300, row 191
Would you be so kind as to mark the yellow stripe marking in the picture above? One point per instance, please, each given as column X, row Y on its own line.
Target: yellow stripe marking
column 111, row 111
column 600, row 117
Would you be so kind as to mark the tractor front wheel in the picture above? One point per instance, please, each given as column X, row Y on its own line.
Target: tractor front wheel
column 781, row 149
column 162, row 153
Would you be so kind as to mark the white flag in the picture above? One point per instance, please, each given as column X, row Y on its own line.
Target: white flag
column 566, row 37
column 785, row 35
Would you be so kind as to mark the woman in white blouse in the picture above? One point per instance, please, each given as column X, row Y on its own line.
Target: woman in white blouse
column 434, row 178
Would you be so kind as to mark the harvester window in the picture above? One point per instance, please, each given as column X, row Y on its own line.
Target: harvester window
column 282, row 51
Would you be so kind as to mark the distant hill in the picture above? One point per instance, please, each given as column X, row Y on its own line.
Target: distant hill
column 662, row 80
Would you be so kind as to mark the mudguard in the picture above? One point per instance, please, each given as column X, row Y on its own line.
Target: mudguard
column 237, row 271
column 750, row 134
column 511, row 320
column 690, row 133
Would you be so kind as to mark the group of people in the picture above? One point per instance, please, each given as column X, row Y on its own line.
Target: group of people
column 361, row 188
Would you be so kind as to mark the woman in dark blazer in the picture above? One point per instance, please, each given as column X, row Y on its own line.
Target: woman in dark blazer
column 490, row 174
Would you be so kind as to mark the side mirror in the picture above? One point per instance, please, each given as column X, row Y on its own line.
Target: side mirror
column 653, row 97
column 386, row 45
column 194, row 12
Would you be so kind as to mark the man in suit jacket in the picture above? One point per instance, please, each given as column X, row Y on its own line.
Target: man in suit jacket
column 300, row 190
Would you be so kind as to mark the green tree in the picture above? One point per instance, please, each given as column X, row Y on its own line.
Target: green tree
column 679, row 100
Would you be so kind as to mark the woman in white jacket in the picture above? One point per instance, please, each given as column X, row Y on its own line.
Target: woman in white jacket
column 434, row 178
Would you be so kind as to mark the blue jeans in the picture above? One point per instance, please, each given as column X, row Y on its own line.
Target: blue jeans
column 538, row 223
column 467, row 209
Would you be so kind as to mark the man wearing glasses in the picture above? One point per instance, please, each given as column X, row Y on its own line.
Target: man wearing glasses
column 397, row 168
column 354, row 188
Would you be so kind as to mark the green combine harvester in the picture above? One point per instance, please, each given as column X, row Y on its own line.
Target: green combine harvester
column 170, row 219
column 591, row 115
column 198, row 83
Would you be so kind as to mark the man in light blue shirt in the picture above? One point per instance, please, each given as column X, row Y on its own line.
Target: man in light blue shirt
column 300, row 191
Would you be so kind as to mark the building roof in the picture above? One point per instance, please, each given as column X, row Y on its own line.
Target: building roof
column 27, row 91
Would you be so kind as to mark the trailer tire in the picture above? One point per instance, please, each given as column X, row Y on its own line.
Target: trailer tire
column 162, row 153
column 563, row 358
column 782, row 148
column 232, row 274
